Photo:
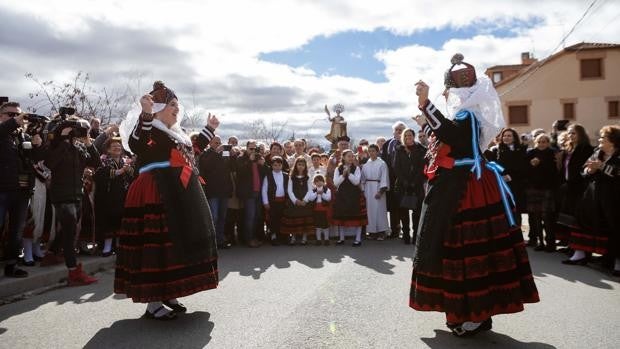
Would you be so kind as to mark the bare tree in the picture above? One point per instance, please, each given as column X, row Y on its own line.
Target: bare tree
column 258, row 130
column 108, row 104
column 195, row 116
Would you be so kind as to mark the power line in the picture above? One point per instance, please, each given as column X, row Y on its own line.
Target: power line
column 544, row 61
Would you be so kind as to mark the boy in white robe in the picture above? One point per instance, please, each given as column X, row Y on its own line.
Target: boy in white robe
column 375, row 182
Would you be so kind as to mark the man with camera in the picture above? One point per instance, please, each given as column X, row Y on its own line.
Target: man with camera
column 250, row 173
column 70, row 152
column 215, row 165
column 18, row 152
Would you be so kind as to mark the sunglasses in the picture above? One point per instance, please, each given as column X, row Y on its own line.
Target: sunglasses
column 11, row 114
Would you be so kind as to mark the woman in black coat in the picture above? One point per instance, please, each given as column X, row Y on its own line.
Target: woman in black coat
column 598, row 216
column 512, row 155
column 409, row 169
column 542, row 184
column 572, row 183
column 112, row 182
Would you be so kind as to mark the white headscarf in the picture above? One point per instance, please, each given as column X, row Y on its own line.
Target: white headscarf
column 483, row 101
column 131, row 120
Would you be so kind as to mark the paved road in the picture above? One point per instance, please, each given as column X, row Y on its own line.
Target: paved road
column 316, row 297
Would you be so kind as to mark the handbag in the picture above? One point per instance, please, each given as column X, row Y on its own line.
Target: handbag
column 409, row 201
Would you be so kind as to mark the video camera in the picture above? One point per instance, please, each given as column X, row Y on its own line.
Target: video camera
column 79, row 127
column 36, row 123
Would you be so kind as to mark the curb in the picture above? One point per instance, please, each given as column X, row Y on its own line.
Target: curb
column 43, row 279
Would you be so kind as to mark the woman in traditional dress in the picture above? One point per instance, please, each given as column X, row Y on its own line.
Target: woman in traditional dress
column 167, row 246
column 112, row 181
column 576, row 152
column 470, row 262
column 597, row 213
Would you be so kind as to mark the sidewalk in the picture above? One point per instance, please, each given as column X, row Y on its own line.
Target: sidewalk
column 41, row 279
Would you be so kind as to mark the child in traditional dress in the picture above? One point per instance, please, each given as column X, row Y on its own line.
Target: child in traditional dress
column 320, row 195
column 298, row 218
column 274, row 189
column 350, row 205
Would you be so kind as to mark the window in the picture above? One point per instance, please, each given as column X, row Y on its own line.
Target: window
column 518, row 115
column 612, row 108
column 569, row 111
column 591, row 68
column 497, row 77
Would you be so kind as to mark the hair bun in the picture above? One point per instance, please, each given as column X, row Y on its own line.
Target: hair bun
column 158, row 85
column 457, row 58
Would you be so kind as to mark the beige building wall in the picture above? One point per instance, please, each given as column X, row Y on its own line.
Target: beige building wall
column 559, row 80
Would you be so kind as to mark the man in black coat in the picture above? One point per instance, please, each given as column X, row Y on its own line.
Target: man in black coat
column 215, row 165
column 67, row 157
column 387, row 155
column 17, row 152
column 250, row 173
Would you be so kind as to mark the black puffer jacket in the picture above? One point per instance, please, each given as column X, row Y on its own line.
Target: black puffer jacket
column 215, row 170
column 67, row 163
column 544, row 176
column 16, row 171
column 516, row 166
column 409, row 170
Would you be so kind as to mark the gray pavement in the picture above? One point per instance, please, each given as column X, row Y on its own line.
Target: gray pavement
column 316, row 297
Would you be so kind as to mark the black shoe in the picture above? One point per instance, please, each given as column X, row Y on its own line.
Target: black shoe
column 357, row 243
column 549, row 248
column 12, row 271
column 304, row 242
column 37, row 258
column 339, row 242
column 582, row 261
column 177, row 308
column 460, row 330
column 28, row 264
column 615, row 273
column 539, row 248
column 171, row 315
column 224, row 246
column 107, row 254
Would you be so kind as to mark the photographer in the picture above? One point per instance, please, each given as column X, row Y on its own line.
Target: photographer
column 215, row 165
column 71, row 151
column 17, row 152
column 250, row 173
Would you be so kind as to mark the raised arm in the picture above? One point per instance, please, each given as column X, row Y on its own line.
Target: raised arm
column 446, row 130
column 208, row 132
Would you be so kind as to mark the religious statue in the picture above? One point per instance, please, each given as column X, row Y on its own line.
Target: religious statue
column 339, row 126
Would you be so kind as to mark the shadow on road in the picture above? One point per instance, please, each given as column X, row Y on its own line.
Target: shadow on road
column 544, row 264
column 445, row 339
column 77, row 295
column 191, row 330
column 254, row 262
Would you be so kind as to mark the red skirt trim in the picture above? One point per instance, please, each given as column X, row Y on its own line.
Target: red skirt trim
column 147, row 268
column 484, row 268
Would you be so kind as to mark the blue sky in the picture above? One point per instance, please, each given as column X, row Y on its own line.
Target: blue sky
column 352, row 53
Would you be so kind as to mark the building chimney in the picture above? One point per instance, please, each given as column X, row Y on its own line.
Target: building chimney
column 527, row 59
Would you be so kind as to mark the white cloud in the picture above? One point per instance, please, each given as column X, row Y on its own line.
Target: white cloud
column 216, row 45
